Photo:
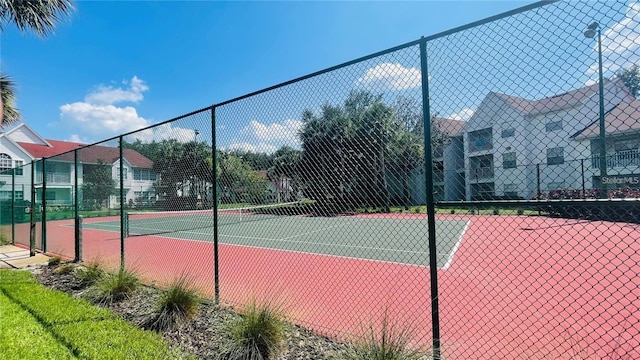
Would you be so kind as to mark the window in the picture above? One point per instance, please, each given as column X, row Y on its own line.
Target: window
column 511, row 190
column 553, row 126
column 480, row 140
column 6, row 195
column 124, row 173
column 509, row 160
column 555, row 156
column 508, row 132
column 626, row 145
column 19, row 169
column 5, row 162
column 143, row 174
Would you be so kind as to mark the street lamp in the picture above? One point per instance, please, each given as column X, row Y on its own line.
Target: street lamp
column 589, row 33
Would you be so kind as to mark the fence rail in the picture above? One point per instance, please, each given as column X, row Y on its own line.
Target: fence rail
column 313, row 191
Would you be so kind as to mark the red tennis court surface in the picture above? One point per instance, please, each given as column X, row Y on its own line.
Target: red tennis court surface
column 518, row 287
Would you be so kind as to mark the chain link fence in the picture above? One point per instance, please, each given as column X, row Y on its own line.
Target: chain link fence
column 505, row 228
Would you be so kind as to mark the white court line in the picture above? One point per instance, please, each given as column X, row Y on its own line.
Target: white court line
column 287, row 240
column 455, row 248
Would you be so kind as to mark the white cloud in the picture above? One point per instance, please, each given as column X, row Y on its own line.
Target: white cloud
column 392, row 76
column 165, row 132
column 105, row 95
column 464, row 114
column 257, row 148
column 76, row 139
column 260, row 137
column 620, row 43
column 97, row 117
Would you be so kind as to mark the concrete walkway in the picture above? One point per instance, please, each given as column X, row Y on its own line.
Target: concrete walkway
column 13, row 257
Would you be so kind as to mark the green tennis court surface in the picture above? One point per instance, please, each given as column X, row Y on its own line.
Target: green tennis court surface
column 398, row 240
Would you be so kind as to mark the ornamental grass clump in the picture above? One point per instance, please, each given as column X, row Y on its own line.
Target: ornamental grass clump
column 90, row 273
column 386, row 342
column 114, row 287
column 258, row 334
column 177, row 305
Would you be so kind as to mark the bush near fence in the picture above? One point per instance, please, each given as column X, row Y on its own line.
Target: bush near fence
column 615, row 211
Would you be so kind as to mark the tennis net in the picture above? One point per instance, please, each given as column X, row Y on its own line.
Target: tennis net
column 161, row 222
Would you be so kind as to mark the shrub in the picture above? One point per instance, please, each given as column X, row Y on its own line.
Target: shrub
column 520, row 212
column 54, row 261
column 114, row 287
column 4, row 240
column 496, row 211
column 257, row 334
column 178, row 304
column 64, row 269
column 387, row 343
column 90, row 272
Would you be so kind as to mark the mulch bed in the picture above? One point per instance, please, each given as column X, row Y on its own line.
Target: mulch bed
column 205, row 336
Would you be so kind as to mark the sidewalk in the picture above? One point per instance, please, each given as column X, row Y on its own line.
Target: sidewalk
column 13, row 257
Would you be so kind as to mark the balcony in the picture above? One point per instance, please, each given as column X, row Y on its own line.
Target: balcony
column 620, row 159
column 482, row 173
column 438, row 176
column 481, row 140
column 54, row 178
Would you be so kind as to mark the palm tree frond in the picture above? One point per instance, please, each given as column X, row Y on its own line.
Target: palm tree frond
column 10, row 113
column 39, row 16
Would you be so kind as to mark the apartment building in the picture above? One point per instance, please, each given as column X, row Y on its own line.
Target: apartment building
column 515, row 147
column 22, row 145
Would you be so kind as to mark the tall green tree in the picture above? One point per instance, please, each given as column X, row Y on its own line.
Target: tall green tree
column 37, row 16
column 631, row 78
column 238, row 182
column 97, row 185
column 345, row 152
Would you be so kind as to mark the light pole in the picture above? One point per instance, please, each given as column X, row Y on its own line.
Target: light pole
column 589, row 33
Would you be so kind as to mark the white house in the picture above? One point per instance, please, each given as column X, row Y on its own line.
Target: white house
column 515, row 147
column 22, row 145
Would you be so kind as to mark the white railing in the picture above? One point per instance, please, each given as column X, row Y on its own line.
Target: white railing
column 620, row 159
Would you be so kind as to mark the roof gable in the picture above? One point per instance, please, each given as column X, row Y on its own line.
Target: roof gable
column 25, row 134
column 622, row 119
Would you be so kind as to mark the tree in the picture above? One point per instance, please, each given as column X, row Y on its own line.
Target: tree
column 97, row 184
column 8, row 110
column 344, row 153
column 631, row 78
column 237, row 181
column 185, row 173
column 38, row 16
column 285, row 171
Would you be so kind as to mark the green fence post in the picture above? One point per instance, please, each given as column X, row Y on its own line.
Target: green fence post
column 13, row 205
column 32, row 212
column 122, row 201
column 43, row 219
column 582, row 172
column 216, row 273
column 431, row 218
column 76, row 212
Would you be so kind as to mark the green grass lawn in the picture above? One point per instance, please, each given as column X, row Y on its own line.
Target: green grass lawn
column 38, row 323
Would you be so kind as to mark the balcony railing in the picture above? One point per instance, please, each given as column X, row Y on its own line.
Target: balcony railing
column 55, row 178
column 482, row 173
column 620, row 159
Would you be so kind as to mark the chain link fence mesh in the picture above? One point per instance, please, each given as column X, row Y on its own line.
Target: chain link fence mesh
column 314, row 194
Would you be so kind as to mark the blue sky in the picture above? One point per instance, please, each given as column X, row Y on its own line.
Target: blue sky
column 114, row 67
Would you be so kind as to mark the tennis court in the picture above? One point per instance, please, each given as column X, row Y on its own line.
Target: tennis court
column 403, row 241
